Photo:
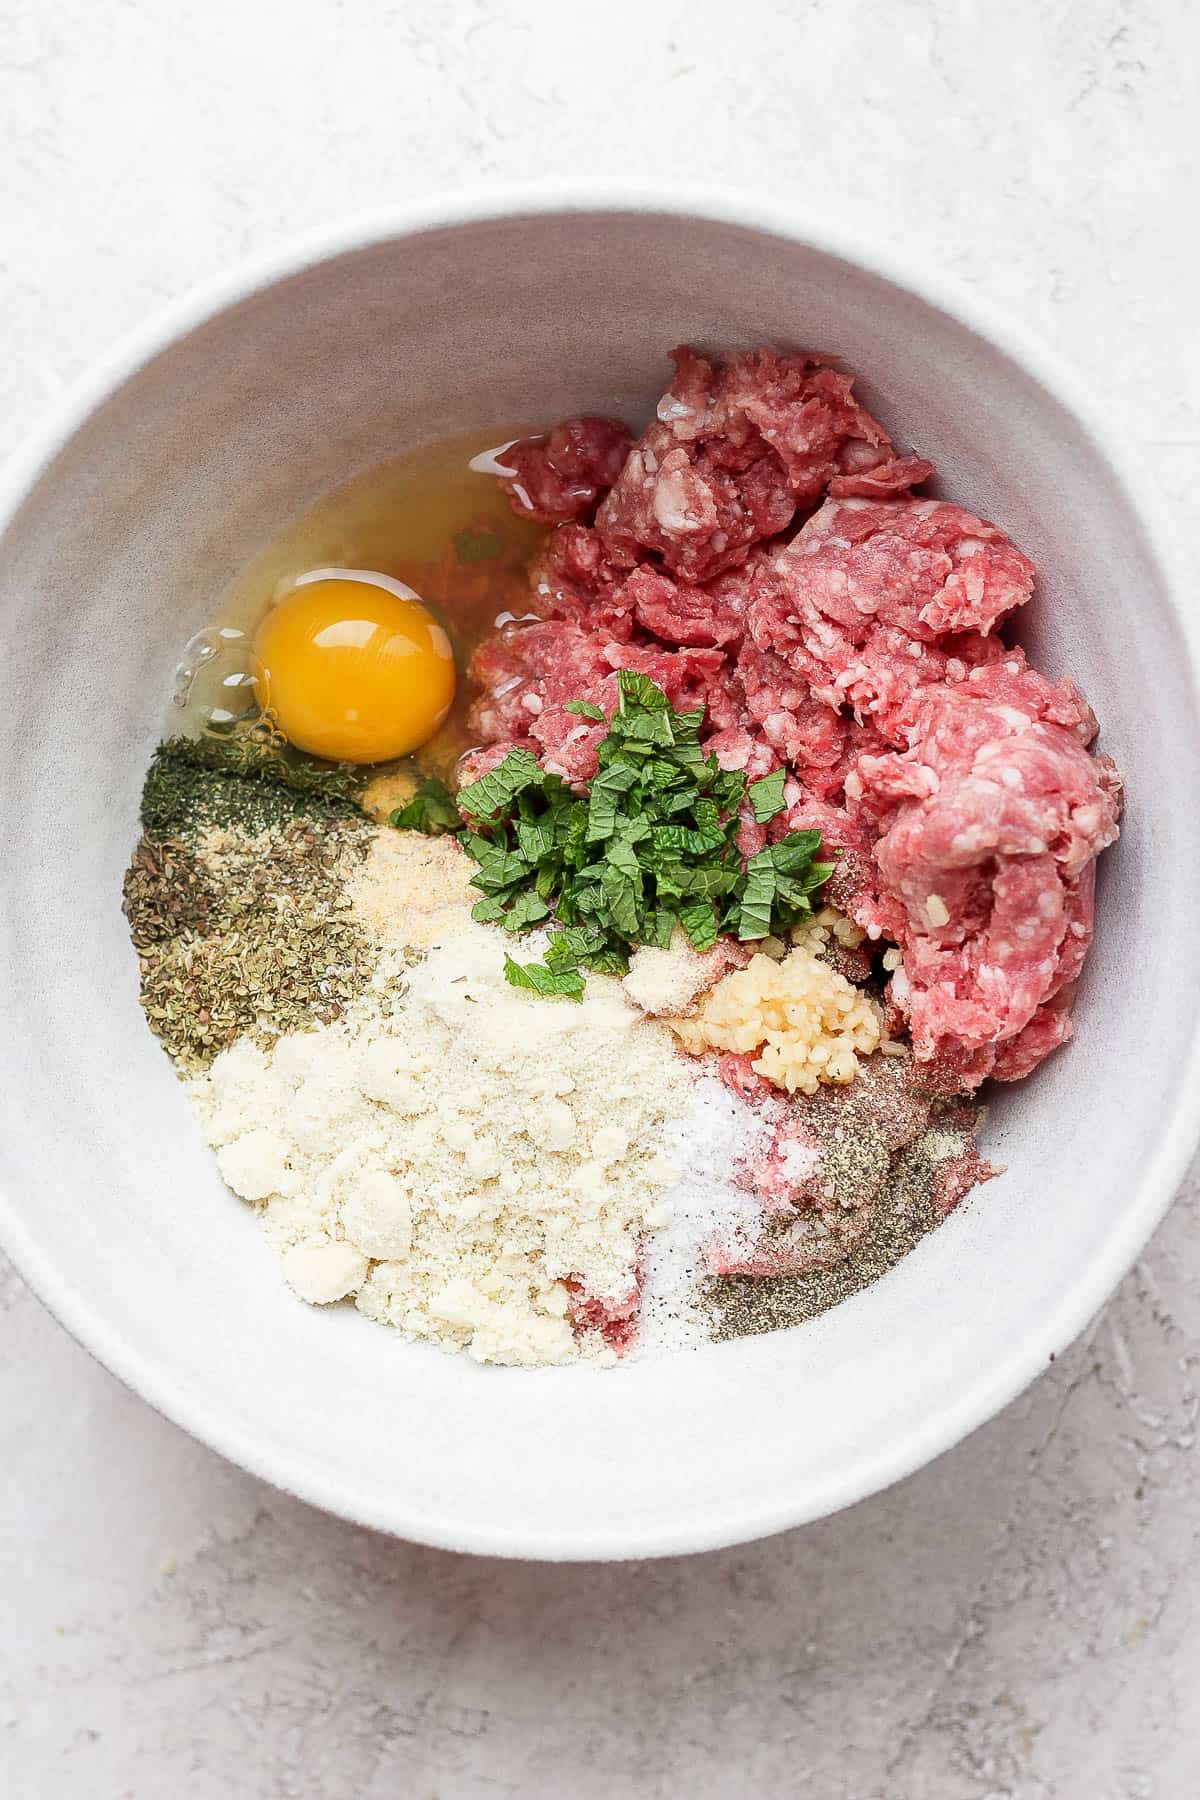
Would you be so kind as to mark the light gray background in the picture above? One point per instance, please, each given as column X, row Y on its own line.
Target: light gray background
column 1016, row 1622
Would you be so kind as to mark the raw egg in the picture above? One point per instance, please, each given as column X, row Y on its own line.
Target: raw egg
column 353, row 667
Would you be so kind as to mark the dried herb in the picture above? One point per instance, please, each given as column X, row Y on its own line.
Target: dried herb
column 246, row 782
column 167, row 892
column 262, row 942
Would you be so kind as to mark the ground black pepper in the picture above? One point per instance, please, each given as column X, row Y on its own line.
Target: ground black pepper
column 903, row 1210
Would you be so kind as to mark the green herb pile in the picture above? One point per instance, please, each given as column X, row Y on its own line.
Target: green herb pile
column 652, row 845
column 246, row 783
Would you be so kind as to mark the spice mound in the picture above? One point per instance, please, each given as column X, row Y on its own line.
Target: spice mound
column 844, row 1176
column 241, row 934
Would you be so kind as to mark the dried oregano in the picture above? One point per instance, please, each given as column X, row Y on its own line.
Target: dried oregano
column 166, row 892
column 255, row 937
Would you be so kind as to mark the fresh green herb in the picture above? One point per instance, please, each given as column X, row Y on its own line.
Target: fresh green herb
column 780, row 881
column 544, row 980
column 653, row 845
column 477, row 546
column 493, row 792
column 766, row 796
column 586, row 710
column 432, row 809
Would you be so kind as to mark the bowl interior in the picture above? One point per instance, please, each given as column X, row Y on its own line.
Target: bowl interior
column 111, row 1201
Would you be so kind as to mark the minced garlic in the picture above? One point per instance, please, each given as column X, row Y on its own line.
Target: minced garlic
column 807, row 1022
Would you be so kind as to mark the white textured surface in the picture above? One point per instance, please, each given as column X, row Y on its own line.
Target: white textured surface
column 1019, row 1620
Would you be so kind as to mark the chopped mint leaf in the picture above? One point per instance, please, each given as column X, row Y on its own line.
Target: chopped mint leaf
column 432, row 809
column 493, row 792
column 652, row 848
column 541, row 980
column 792, row 854
column 758, row 898
column 639, row 691
column 766, row 796
column 526, row 911
column 699, row 920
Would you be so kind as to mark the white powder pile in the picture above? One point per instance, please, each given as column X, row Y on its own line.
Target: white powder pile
column 473, row 1162
column 717, row 1132
column 412, row 889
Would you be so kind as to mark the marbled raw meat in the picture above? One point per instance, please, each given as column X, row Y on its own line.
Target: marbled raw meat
column 735, row 450
column 806, row 734
column 883, row 481
column 874, row 600
column 676, row 611
column 988, row 830
column 528, row 673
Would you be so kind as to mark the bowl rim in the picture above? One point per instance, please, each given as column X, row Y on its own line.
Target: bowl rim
column 1095, row 1280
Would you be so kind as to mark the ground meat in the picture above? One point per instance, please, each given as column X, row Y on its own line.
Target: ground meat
column 989, row 825
column 571, row 578
column 736, row 448
column 874, row 600
column 677, row 612
column 883, row 481
column 961, row 1167
column 473, row 765
column 1049, row 1027
column 740, row 1076
column 738, row 748
column 560, row 477
column 614, row 1317
column 803, row 731
column 690, row 678
column 523, row 666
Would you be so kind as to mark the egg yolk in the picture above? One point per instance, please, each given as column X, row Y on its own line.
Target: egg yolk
column 354, row 671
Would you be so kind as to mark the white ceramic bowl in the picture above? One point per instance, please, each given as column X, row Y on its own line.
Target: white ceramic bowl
column 207, row 432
